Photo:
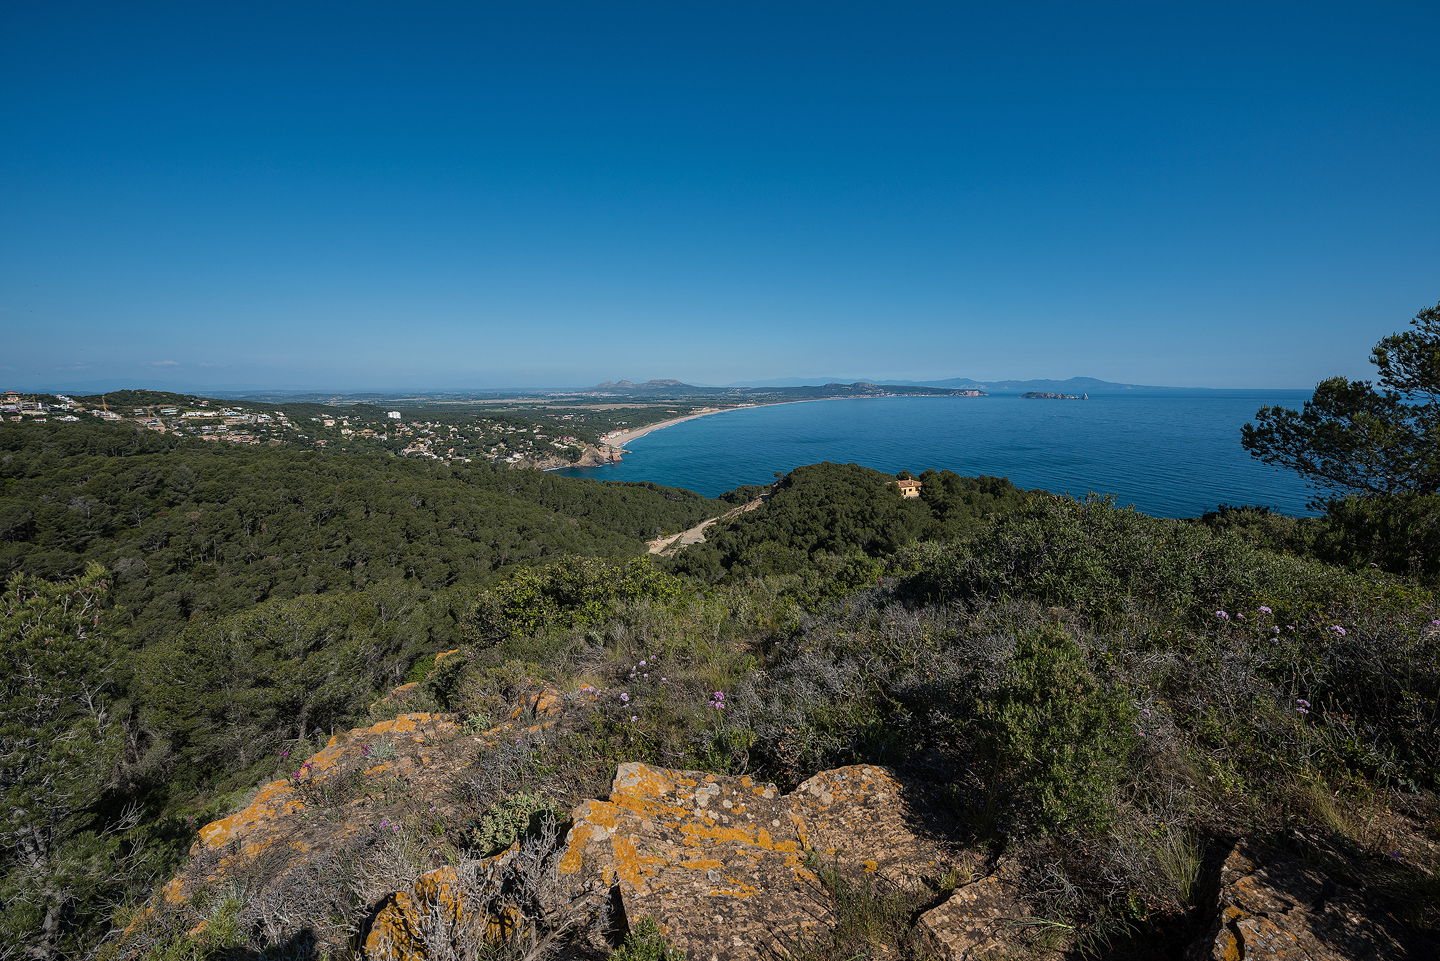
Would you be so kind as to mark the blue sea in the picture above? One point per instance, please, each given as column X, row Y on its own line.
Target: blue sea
column 1170, row 453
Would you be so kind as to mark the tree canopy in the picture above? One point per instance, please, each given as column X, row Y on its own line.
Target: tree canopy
column 1354, row 437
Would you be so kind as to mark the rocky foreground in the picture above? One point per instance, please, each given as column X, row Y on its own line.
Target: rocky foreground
column 344, row 858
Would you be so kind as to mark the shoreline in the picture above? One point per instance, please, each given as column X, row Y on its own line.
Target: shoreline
column 618, row 439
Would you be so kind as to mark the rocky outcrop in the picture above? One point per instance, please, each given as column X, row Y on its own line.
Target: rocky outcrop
column 590, row 456
column 728, row 866
column 987, row 919
column 1271, row 907
column 353, row 797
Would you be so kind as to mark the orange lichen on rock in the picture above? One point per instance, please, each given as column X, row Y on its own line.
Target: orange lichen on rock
column 272, row 801
column 718, row 860
column 434, row 911
column 333, row 805
column 401, row 929
column 401, row 692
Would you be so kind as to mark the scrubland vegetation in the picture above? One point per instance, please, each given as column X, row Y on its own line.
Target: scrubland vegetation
column 1109, row 698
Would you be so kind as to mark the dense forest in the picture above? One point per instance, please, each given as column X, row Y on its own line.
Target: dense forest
column 1107, row 698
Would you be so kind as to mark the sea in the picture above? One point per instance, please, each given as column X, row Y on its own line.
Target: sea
column 1169, row 453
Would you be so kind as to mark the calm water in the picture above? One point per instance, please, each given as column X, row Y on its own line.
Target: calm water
column 1171, row 453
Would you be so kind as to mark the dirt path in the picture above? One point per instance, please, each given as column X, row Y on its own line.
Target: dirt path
column 671, row 543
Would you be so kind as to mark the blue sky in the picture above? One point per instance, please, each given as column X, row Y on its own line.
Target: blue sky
column 473, row 194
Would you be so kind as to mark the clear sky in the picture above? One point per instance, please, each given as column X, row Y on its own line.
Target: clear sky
column 424, row 194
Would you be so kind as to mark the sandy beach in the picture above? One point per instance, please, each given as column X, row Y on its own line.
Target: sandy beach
column 621, row 438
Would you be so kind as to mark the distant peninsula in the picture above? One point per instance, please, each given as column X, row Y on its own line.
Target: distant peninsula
column 1050, row 395
column 1073, row 385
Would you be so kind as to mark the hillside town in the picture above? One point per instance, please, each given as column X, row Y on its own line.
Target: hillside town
column 501, row 440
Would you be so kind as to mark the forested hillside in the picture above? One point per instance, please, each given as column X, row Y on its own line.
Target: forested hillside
column 189, row 530
column 1102, row 701
column 249, row 598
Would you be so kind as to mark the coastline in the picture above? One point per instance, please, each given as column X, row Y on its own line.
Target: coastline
column 618, row 439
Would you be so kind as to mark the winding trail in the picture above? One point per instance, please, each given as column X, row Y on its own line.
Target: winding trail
column 671, row 543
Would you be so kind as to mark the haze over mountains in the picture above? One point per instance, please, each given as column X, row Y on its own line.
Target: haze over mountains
column 219, row 388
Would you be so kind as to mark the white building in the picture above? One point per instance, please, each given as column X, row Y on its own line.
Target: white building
column 393, row 414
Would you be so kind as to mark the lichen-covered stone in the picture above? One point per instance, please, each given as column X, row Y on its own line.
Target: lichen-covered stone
column 1273, row 908
column 400, row 930
column 988, row 920
column 427, row 748
column 726, row 865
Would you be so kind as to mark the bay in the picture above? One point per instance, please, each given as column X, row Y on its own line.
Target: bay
column 1173, row 453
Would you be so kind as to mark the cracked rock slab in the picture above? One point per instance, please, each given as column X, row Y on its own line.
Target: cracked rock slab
column 1272, row 908
column 725, row 864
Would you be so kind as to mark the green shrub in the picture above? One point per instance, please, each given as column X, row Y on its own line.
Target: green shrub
column 1399, row 534
column 646, row 943
column 1056, row 740
column 571, row 593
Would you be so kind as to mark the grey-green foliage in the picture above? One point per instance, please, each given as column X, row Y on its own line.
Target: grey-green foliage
column 507, row 820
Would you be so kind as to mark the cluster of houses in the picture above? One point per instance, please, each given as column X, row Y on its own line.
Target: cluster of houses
column 482, row 440
column 494, row 441
column 16, row 407
column 231, row 424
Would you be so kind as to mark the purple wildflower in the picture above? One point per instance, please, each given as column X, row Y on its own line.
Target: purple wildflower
column 1222, row 615
column 1265, row 610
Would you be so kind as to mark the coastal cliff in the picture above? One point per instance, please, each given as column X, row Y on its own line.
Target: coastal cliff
column 590, row 456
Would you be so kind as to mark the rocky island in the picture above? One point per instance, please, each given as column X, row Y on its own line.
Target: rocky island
column 1048, row 395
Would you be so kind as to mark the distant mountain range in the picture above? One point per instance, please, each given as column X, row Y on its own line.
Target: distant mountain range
column 629, row 386
column 1071, row 385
